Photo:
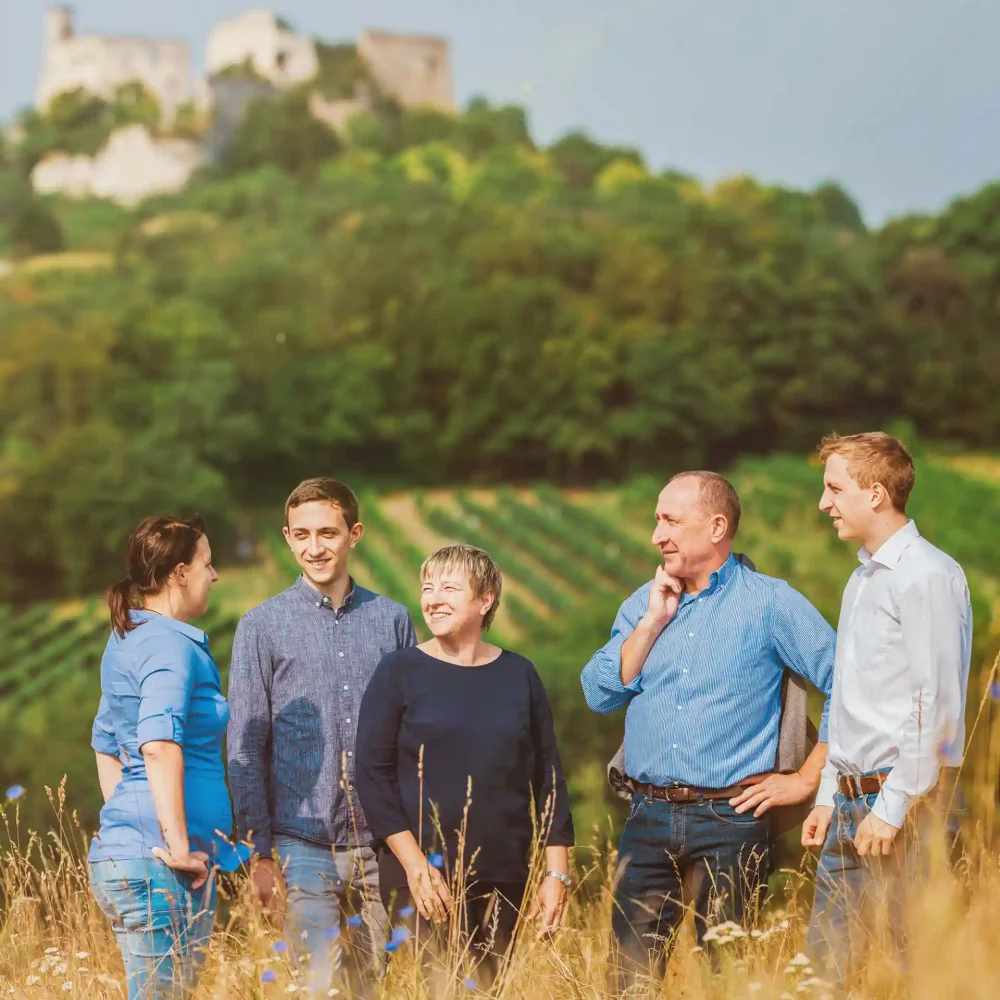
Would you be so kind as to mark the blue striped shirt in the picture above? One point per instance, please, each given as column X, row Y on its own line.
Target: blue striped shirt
column 706, row 707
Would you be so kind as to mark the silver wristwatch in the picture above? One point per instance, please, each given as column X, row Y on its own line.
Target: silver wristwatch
column 560, row 877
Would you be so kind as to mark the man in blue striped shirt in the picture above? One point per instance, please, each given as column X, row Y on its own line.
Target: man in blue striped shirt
column 697, row 656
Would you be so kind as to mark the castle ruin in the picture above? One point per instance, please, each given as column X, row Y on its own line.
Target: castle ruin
column 100, row 64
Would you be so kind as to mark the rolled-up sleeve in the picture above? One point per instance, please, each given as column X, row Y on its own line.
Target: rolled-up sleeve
column 551, row 795
column 102, row 733
column 806, row 643
column 602, row 676
column 166, row 678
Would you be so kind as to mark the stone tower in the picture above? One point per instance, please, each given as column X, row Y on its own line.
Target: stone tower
column 101, row 63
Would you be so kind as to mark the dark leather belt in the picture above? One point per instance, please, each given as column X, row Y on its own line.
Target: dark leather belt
column 685, row 793
column 854, row 786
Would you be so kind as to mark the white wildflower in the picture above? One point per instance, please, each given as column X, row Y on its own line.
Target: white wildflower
column 756, row 933
column 332, row 992
column 83, row 954
column 753, row 987
column 67, row 986
column 32, row 980
column 292, row 988
column 83, row 969
column 696, row 948
column 51, row 951
column 800, row 959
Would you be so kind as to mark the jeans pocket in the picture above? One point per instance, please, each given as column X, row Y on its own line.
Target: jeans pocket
column 126, row 902
column 725, row 813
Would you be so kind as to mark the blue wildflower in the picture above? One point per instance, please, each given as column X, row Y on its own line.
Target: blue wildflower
column 354, row 920
column 400, row 934
column 435, row 860
column 995, row 690
column 407, row 911
column 15, row 792
column 268, row 976
column 332, row 932
column 391, row 945
column 279, row 946
column 468, row 983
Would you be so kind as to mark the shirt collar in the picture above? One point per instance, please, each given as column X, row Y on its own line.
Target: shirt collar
column 191, row 631
column 892, row 548
column 720, row 577
column 318, row 600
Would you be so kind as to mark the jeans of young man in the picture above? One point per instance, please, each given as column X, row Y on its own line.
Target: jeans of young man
column 860, row 902
column 329, row 889
column 725, row 856
column 162, row 926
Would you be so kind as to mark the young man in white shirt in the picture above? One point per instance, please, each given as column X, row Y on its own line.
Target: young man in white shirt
column 896, row 725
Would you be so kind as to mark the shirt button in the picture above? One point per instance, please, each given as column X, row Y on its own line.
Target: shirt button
column 318, row 603
column 348, row 721
column 685, row 670
column 675, row 746
column 350, row 753
column 350, row 788
column 680, row 708
column 346, row 688
column 701, row 599
column 690, row 635
column 340, row 654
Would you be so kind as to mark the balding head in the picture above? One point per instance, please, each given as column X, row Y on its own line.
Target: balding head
column 716, row 495
column 697, row 515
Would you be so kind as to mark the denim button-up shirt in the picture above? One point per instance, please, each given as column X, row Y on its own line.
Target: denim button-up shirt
column 299, row 669
column 159, row 682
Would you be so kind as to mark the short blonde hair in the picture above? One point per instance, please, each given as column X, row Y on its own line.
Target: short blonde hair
column 481, row 571
column 874, row 457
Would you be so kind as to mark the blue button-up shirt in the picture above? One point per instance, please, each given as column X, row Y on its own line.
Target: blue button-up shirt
column 159, row 682
column 298, row 671
column 706, row 707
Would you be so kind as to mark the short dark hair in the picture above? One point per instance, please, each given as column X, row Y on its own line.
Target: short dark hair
column 717, row 496
column 325, row 490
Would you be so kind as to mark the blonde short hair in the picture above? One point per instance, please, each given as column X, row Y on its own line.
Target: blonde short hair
column 874, row 457
column 480, row 570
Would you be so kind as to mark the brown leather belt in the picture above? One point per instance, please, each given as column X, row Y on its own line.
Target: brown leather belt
column 686, row 793
column 854, row 786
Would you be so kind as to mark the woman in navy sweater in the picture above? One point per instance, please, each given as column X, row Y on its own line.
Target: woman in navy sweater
column 456, row 734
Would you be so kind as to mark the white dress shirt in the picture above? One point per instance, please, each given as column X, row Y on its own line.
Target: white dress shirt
column 904, row 642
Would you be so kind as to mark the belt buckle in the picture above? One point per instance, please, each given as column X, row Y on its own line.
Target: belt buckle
column 681, row 793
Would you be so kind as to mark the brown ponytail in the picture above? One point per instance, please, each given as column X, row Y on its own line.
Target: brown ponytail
column 152, row 552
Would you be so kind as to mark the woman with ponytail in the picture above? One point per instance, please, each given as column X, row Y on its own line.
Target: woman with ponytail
column 158, row 739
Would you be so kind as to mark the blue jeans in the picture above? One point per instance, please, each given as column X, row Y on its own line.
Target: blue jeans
column 324, row 884
column 162, row 927
column 720, row 857
column 860, row 902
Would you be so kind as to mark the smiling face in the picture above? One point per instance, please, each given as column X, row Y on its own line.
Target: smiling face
column 450, row 605
column 321, row 541
column 852, row 508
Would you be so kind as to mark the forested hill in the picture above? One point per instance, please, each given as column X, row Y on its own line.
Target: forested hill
column 439, row 300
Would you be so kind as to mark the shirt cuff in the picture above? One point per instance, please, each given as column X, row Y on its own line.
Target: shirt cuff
column 891, row 806
column 166, row 726
column 103, row 742
column 828, row 787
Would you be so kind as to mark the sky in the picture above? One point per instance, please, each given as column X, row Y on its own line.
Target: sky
column 897, row 100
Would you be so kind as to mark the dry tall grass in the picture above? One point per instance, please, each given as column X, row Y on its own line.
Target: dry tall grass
column 54, row 941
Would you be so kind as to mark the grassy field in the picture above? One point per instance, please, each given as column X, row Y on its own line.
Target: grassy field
column 569, row 557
